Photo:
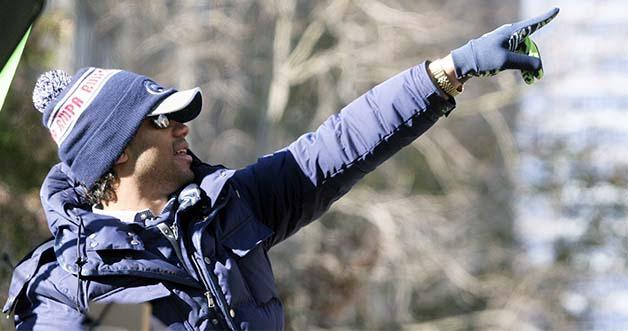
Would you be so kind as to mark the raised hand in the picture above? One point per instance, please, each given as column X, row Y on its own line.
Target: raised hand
column 507, row 47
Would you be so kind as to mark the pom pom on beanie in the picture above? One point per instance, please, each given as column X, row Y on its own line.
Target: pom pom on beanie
column 49, row 85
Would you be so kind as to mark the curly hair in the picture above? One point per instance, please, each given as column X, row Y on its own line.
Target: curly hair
column 103, row 189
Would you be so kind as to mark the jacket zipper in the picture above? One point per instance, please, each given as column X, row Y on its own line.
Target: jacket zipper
column 172, row 234
column 207, row 283
column 210, row 298
column 213, row 291
column 208, row 294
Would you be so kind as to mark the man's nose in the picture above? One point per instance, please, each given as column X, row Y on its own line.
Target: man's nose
column 179, row 129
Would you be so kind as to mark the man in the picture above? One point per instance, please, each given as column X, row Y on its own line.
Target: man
column 136, row 217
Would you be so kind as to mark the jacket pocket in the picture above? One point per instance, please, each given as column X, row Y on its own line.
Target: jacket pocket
column 247, row 267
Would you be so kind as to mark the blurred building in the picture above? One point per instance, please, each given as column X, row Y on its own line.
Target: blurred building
column 573, row 138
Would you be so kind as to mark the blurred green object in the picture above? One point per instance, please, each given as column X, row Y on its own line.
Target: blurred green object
column 6, row 75
column 17, row 18
column 528, row 47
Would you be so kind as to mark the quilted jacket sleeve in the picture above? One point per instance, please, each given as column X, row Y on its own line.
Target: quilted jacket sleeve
column 294, row 186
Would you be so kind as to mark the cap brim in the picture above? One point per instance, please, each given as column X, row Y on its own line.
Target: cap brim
column 182, row 106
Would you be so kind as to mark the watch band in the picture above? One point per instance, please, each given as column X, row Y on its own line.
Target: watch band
column 442, row 80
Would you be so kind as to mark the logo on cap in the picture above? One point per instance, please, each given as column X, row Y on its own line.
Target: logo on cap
column 154, row 88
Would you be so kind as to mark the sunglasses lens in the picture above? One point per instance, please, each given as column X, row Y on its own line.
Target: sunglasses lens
column 161, row 121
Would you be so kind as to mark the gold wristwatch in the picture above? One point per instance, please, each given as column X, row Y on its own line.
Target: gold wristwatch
column 442, row 80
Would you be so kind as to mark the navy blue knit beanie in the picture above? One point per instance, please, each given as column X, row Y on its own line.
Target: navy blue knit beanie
column 93, row 115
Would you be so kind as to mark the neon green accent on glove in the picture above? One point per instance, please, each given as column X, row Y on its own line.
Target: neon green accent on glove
column 528, row 47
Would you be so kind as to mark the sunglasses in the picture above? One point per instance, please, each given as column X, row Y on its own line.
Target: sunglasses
column 160, row 122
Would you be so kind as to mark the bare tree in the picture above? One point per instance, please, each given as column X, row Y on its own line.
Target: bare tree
column 426, row 241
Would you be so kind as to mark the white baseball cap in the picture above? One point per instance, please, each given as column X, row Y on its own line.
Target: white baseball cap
column 182, row 106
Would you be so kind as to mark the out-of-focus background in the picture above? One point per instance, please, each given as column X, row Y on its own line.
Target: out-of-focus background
column 510, row 214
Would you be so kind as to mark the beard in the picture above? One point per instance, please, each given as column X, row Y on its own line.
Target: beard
column 165, row 177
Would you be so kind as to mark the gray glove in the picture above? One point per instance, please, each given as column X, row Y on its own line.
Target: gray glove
column 507, row 47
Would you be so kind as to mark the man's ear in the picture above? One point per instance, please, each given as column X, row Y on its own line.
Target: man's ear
column 123, row 158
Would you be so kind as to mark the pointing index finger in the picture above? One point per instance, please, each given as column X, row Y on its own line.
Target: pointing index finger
column 534, row 24
column 525, row 28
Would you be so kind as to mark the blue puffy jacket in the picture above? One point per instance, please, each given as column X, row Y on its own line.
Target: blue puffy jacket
column 203, row 263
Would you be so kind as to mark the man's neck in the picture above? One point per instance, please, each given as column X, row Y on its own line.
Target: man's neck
column 133, row 197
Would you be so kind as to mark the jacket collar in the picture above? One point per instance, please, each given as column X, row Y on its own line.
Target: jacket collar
column 211, row 178
column 68, row 213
